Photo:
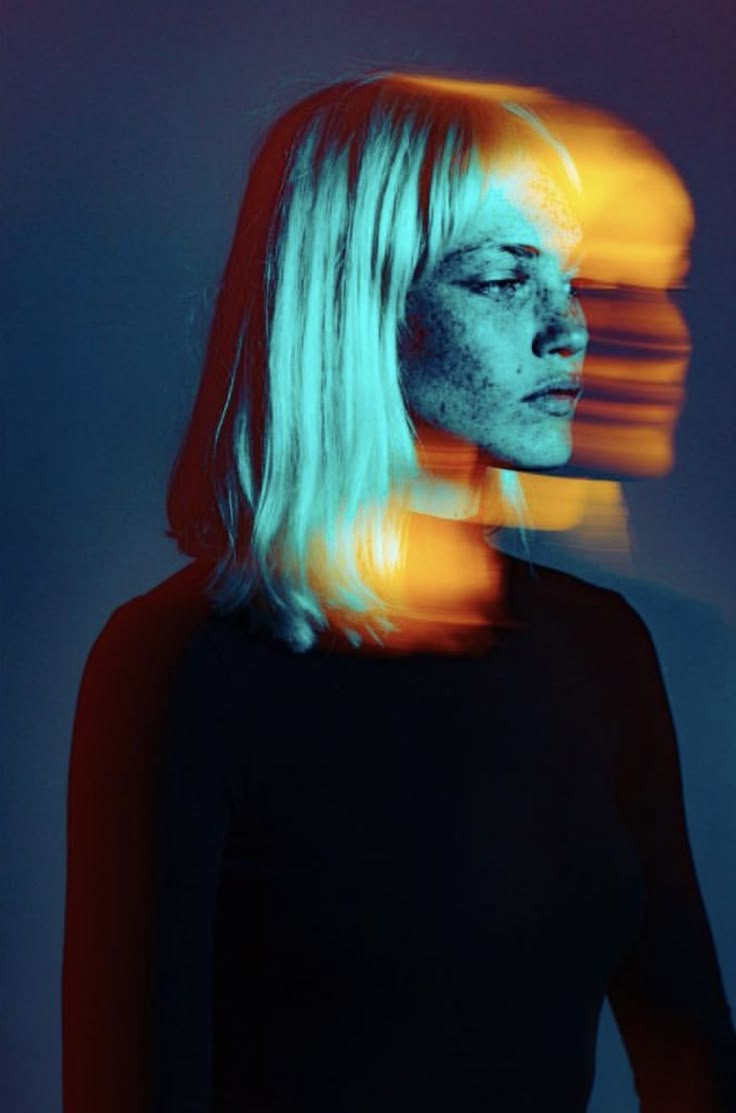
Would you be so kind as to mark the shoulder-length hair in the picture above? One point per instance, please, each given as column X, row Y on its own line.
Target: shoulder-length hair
column 300, row 442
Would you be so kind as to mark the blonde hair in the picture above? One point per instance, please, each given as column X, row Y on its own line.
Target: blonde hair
column 300, row 434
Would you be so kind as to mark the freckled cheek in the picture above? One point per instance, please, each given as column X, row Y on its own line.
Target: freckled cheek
column 489, row 341
column 445, row 331
column 499, row 356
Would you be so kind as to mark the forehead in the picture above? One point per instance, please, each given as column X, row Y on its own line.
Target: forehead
column 523, row 208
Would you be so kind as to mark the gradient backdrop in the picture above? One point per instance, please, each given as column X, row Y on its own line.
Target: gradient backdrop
column 127, row 132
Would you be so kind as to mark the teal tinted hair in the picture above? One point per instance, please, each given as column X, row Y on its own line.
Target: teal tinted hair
column 300, row 429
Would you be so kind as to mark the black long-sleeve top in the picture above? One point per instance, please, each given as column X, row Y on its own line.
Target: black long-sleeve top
column 408, row 883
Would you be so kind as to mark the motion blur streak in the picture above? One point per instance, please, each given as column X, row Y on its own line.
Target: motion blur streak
column 637, row 221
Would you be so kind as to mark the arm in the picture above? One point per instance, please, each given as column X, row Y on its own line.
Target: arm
column 196, row 783
column 108, row 876
column 667, row 995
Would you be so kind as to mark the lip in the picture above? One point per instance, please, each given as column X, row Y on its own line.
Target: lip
column 570, row 386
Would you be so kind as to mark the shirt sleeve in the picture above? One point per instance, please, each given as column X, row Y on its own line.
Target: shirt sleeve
column 667, row 995
column 195, row 800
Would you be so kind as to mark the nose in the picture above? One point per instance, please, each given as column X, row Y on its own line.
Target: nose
column 562, row 331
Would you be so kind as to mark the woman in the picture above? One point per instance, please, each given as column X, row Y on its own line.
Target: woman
column 420, row 807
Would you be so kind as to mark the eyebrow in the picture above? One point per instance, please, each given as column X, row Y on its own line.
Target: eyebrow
column 517, row 250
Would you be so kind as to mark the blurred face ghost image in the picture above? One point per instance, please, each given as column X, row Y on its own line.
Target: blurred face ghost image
column 494, row 338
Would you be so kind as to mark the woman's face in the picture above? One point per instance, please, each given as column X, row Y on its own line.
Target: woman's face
column 494, row 339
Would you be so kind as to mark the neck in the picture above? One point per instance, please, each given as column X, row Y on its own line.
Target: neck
column 445, row 591
column 459, row 482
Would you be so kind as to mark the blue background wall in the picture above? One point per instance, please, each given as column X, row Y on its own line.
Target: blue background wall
column 128, row 127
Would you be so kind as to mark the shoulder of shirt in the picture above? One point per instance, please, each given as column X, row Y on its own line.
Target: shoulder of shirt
column 143, row 638
column 174, row 620
column 177, row 604
column 540, row 586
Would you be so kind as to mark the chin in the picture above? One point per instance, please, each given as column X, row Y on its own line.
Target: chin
column 545, row 462
column 554, row 453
